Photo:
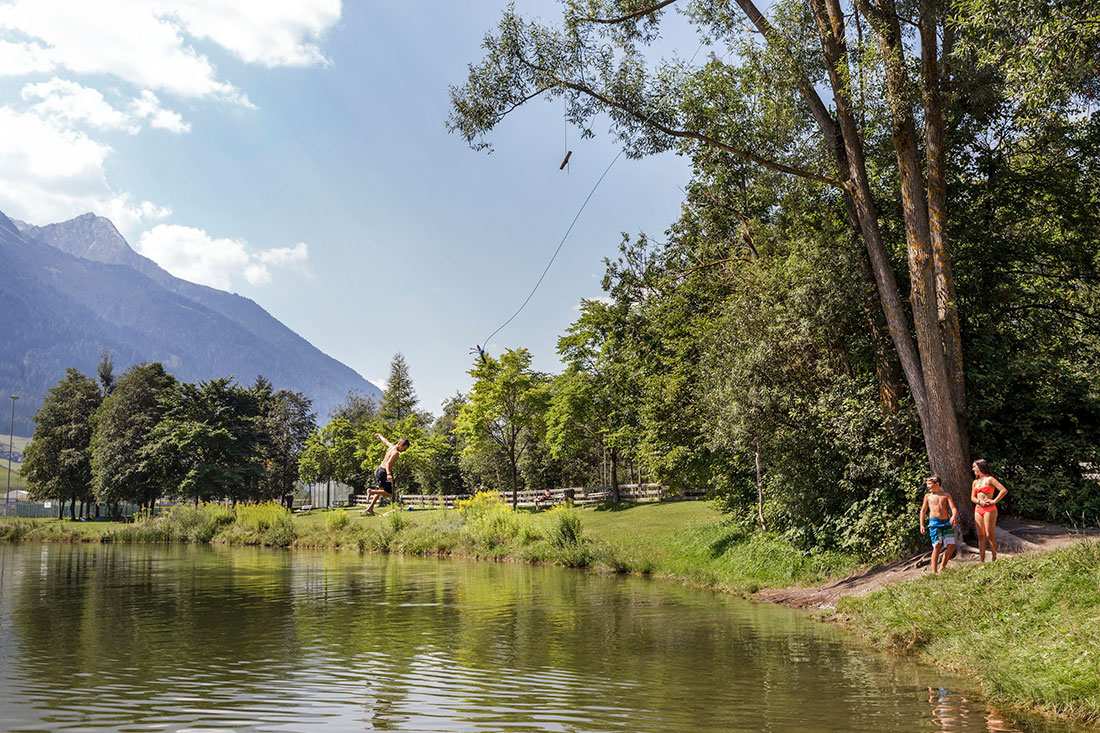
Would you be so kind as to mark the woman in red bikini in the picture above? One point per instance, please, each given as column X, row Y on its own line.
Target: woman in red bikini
column 985, row 506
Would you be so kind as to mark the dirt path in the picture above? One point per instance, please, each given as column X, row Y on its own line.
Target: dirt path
column 1013, row 537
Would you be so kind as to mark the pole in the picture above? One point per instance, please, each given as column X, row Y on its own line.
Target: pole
column 11, row 450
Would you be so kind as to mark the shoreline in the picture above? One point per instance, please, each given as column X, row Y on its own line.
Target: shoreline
column 888, row 606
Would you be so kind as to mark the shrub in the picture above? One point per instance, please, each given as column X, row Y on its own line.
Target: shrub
column 480, row 504
column 563, row 526
column 397, row 521
column 336, row 520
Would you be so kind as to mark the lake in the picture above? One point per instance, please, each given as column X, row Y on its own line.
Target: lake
column 200, row 638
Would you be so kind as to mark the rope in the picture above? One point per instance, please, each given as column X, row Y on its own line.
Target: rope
column 580, row 211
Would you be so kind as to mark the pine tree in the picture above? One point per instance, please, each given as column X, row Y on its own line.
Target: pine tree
column 399, row 400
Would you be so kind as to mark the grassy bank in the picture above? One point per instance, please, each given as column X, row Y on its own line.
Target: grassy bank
column 684, row 540
column 1028, row 627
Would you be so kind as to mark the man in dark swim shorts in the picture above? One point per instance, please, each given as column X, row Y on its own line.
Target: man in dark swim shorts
column 383, row 475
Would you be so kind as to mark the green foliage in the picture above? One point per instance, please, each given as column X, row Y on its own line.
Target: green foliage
column 397, row 522
column 210, row 443
column 182, row 523
column 336, row 520
column 400, row 400
column 286, row 422
column 492, row 526
column 505, row 412
column 563, row 526
column 1048, row 54
column 261, row 517
column 57, row 462
column 123, row 465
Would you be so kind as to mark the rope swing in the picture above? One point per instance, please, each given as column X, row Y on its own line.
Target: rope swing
column 576, row 217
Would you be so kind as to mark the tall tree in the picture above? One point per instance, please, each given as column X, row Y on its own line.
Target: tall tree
column 57, row 462
column 356, row 409
column 506, row 406
column 760, row 104
column 210, row 444
column 331, row 453
column 123, row 469
column 593, row 401
column 287, row 421
column 399, row 400
column 106, row 372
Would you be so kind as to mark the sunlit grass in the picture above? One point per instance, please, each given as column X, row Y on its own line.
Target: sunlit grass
column 1028, row 626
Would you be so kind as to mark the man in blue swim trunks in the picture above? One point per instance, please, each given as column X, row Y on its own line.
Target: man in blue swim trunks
column 942, row 515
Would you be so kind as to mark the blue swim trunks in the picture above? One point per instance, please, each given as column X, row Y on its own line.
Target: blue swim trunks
column 941, row 531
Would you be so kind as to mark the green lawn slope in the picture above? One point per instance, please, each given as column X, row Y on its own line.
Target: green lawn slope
column 1028, row 627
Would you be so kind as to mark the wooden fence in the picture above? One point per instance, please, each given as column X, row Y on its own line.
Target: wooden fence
column 582, row 496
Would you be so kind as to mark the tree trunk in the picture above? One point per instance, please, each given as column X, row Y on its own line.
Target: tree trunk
column 328, row 494
column 614, row 454
column 935, row 144
column 759, row 489
column 61, row 509
column 947, row 453
column 72, row 509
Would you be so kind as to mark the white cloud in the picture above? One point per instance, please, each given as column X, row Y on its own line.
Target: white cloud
column 147, row 107
column 69, row 103
column 266, row 32
column 49, row 172
column 145, row 42
column 286, row 256
column 194, row 255
column 52, row 166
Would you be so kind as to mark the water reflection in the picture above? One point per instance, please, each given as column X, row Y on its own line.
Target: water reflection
column 189, row 638
column 954, row 711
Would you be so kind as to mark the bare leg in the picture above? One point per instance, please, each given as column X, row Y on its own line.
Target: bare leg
column 991, row 531
column 935, row 557
column 373, row 500
column 948, row 553
column 979, row 524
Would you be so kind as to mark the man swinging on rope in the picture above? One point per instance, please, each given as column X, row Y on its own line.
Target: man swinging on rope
column 383, row 475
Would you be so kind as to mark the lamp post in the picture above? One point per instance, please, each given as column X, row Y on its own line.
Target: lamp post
column 11, row 448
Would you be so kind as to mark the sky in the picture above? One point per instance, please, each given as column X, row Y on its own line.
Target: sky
column 296, row 152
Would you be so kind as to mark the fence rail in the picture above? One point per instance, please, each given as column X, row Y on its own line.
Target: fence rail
column 581, row 496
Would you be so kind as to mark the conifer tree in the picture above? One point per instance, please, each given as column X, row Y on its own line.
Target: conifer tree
column 399, row 400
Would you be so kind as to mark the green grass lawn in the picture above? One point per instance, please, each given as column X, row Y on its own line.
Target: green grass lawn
column 19, row 444
column 1027, row 626
column 17, row 481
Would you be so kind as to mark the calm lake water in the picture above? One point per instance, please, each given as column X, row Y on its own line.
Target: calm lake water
column 98, row 638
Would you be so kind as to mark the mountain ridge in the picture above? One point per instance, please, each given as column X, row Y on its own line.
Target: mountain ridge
column 81, row 282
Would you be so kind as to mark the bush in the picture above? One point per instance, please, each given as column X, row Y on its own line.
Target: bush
column 563, row 526
column 478, row 505
column 336, row 520
column 261, row 517
column 261, row 524
column 182, row 523
column 397, row 521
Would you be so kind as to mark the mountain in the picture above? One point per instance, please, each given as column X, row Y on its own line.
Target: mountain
column 70, row 290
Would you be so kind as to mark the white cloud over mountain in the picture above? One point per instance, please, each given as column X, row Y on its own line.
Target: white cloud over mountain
column 129, row 55
column 194, row 255
column 50, row 171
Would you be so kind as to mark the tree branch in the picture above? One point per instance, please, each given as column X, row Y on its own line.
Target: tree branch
column 745, row 155
column 628, row 16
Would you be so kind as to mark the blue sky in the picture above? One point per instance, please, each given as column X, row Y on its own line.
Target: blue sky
column 323, row 125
